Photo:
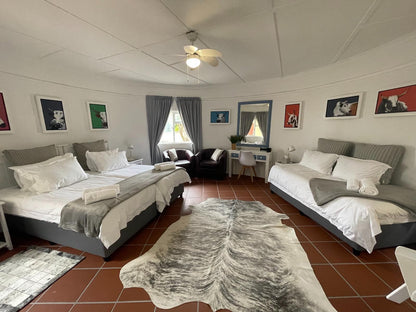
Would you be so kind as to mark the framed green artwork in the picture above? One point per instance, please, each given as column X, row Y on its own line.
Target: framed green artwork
column 98, row 115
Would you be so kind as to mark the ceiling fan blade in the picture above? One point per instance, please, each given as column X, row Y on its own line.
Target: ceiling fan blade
column 209, row 52
column 190, row 49
column 213, row 61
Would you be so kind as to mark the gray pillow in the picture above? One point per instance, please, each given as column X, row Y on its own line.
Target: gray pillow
column 81, row 148
column 30, row 155
column 334, row 147
column 388, row 154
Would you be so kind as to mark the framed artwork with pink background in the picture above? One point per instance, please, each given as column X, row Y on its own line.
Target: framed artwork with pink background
column 5, row 127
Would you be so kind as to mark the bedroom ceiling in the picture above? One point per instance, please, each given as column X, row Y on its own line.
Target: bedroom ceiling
column 139, row 39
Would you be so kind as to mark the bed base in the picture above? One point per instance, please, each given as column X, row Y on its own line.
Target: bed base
column 53, row 233
column 392, row 235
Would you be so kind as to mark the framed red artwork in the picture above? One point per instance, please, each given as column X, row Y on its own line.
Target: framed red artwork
column 396, row 102
column 4, row 118
column 292, row 116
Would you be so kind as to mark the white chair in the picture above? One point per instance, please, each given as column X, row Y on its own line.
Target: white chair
column 247, row 160
column 406, row 259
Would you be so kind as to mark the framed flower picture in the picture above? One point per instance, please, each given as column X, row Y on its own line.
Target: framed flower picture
column 396, row 102
column 219, row 116
column 292, row 116
column 344, row 106
column 97, row 115
column 5, row 127
column 51, row 114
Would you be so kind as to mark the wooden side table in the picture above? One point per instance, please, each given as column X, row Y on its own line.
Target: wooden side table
column 8, row 242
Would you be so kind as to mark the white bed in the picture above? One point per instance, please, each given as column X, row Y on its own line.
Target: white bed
column 47, row 206
column 359, row 219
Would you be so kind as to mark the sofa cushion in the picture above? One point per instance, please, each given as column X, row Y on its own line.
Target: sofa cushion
column 335, row 147
column 208, row 163
column 388, row 154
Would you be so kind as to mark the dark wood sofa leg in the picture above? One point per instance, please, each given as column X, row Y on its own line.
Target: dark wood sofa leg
column 106, row 259
column 356, row 252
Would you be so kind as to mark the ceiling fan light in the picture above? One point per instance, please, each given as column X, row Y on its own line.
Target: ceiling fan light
column 193, row 61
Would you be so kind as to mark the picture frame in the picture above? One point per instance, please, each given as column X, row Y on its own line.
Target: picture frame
column 293, row 116
column 219, row 117
column 398, row 102
column 98, row 115
column 51, row 114
column 345, row 106
column 5, row 127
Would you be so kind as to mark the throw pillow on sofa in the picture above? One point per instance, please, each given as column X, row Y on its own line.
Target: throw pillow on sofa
column 217, row 153
column 172, row 154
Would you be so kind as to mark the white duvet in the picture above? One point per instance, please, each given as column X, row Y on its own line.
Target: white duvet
column 48, row 206
column 359, row 219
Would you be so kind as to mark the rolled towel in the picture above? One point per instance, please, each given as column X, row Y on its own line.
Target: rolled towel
column 167, row 166
column 114, row 187
column 368, row 187
column 353, row 185
column 158, row 165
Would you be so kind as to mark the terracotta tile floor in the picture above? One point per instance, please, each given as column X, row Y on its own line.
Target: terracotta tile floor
column 351, row 283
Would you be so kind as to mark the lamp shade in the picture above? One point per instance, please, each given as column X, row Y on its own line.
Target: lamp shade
column 193, row 61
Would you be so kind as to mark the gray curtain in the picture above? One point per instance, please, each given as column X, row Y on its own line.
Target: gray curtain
column 246, row 120
column 157, row 110
column 190, row 110
column 262, row 120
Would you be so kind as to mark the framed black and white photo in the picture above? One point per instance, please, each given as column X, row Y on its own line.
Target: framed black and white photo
column 51, row 114
column 344, row 107
column 97, row 115
column 219, row 116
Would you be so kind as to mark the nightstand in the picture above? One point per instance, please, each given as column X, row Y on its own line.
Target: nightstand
column 135, row 161
column 8, row 242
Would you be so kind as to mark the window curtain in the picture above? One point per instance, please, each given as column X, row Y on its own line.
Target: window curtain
column 262, row 120
column 246, row 120
column 157, row 110
column 190, row 110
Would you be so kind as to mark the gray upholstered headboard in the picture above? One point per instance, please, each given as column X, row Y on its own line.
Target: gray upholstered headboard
column 388, row 154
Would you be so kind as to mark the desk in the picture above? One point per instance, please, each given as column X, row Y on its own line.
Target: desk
column 260, row 156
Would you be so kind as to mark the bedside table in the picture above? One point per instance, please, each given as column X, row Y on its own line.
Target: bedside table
column 135, row 161
column 8, row 242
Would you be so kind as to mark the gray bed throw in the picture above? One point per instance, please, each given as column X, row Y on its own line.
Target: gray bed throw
column 78, row 217
column 324, row 190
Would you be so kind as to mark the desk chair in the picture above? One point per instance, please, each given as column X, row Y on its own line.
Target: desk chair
column 247, row 161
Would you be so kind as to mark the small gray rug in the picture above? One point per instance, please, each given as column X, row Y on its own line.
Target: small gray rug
column 232, row 255
column 26, row 274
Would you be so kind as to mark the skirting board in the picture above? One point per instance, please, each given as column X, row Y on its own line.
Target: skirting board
column 392, row 235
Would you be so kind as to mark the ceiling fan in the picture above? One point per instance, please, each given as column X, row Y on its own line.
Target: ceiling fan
column 194, row 56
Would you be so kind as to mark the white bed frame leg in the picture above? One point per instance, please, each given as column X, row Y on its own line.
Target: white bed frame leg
column 399, row 295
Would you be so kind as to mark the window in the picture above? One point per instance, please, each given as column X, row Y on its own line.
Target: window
column 255, row 129
column 174, row 131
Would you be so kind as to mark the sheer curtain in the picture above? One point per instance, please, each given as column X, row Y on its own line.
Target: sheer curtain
column 157, row 111
column 246, row 120
column 190, row 110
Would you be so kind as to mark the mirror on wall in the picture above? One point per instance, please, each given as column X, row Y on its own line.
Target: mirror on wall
column 254, row 119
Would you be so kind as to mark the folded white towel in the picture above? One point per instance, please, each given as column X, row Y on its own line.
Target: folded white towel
column 167, row 166
column 368, row 187
column 353, row 185
column 96, row 194
column 159, row 165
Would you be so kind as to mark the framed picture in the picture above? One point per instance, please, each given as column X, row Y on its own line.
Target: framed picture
column 97, row 115
column 51, row 114
column 292, row 117
column 396, row 102
column 5, row 127
column 219, row 116
column 344, row 106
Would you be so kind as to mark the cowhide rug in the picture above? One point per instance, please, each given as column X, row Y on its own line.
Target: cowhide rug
column 230, row 254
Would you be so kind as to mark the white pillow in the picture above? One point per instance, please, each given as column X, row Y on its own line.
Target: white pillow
column 321, row 162
column 17, row 169
column 216, row 154
column 355, row 168
column 172, row 154
column 51, row 176
column 106, row 160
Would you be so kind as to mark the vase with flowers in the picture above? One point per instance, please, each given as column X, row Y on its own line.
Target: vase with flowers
column 234, row 139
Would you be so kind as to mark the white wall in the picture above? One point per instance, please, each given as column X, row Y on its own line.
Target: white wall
column 392, row 66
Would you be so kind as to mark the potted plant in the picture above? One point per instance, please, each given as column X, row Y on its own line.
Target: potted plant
column 234, row 139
